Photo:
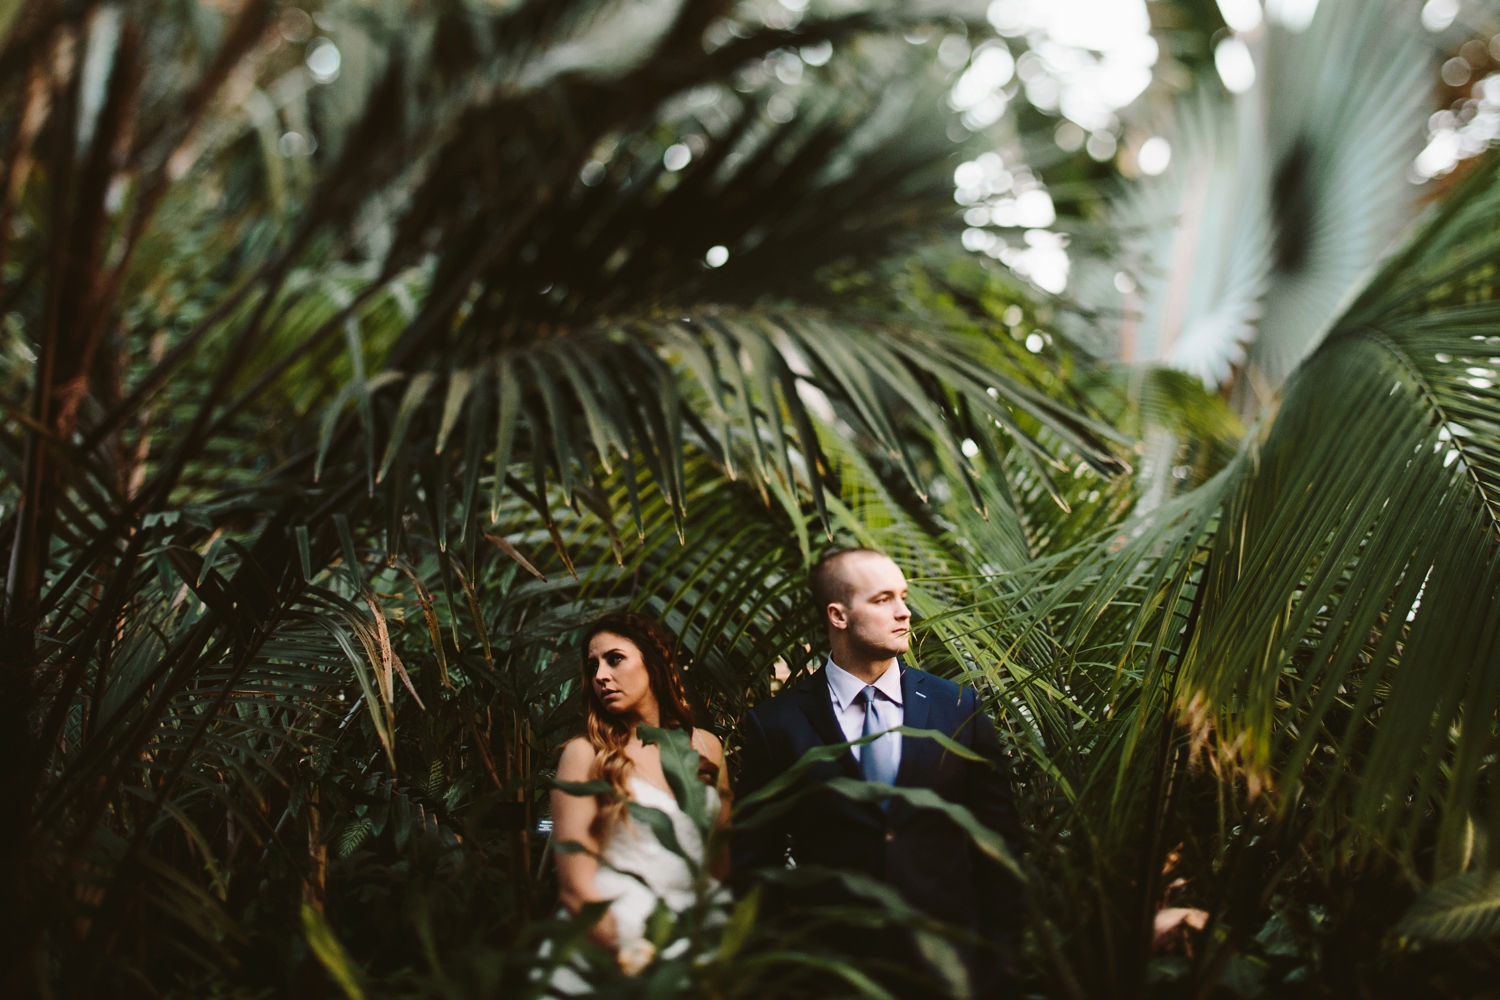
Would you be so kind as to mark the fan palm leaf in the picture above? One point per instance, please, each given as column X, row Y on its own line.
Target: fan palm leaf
column 1341, row 569
column 1275, row 207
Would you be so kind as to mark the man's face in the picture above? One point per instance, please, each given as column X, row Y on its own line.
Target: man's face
column 875, row 619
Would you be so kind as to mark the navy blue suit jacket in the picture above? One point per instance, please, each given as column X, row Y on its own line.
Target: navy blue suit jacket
column 920, row 853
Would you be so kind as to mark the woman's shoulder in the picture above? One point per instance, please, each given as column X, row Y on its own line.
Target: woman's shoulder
column 708, row 744
column 576, row 760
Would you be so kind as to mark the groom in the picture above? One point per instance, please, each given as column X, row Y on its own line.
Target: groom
column 864, row 690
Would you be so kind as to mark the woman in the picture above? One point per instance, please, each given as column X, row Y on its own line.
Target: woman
column 629, row 679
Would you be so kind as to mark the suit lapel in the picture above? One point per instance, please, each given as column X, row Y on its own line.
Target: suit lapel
column 816, row 702
column 913, row 751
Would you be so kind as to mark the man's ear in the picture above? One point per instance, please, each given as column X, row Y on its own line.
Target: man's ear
column 837, row 616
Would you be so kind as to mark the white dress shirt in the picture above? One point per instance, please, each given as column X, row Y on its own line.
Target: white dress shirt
column 849, row 708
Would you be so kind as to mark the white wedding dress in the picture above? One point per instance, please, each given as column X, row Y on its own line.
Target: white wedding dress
column 636, row 870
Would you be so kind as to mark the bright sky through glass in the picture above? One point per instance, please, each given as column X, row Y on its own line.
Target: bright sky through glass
column 1097, row 53
column 1084, row 60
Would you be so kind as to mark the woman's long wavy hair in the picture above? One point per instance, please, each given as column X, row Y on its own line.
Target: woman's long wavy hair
column 608, row 733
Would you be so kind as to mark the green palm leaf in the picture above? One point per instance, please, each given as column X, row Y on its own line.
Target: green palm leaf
column 1463, row 908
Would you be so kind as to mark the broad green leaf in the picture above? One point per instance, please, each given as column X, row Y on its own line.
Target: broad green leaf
column 741, row 922
column 939, row 952
column 661, row 827
column 833, row 751
column 866, row 986
column 330, row 952
column 1465, row 907
column 987, row 840
column 679, row 762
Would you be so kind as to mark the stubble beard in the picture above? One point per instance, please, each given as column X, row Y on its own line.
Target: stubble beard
column 877, row 650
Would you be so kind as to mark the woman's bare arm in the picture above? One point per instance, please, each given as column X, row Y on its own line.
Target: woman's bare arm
column 708, row 745
column 573, row 821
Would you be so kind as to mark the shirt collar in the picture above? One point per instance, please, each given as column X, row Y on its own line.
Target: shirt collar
column 845, row 687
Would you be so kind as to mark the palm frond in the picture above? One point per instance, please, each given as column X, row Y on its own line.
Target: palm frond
column 1463, row 908
column 1343, row 566
column 1275, row 207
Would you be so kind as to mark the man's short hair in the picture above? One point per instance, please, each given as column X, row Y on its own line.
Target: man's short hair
column 828, row 584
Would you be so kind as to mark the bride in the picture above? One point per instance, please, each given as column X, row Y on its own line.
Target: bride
column 630, row 679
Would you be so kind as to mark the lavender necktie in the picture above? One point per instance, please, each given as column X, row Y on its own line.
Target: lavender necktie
column 877, row 759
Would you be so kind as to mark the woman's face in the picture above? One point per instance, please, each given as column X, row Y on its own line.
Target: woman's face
column 620, row 677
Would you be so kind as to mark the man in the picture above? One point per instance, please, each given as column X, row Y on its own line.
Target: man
column 863, row 690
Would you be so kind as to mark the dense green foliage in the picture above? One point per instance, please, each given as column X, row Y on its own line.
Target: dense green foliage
column 315, row 461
